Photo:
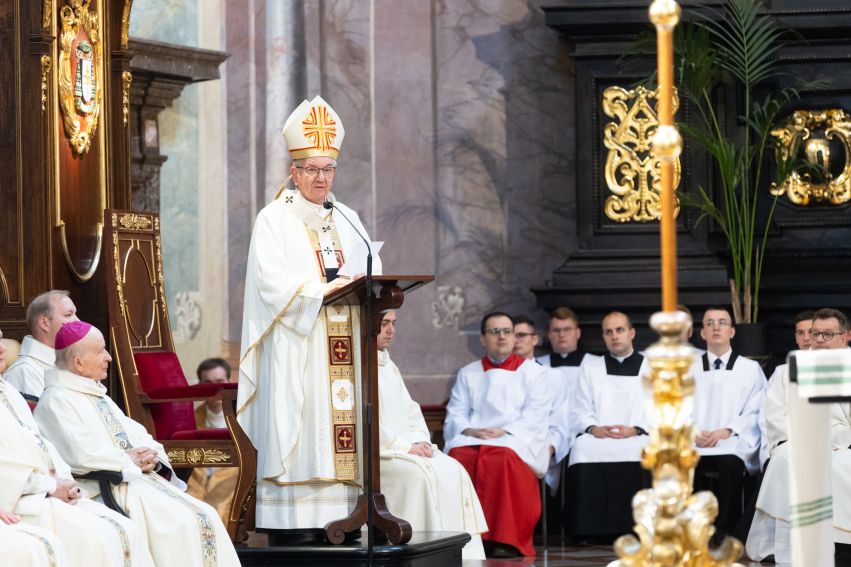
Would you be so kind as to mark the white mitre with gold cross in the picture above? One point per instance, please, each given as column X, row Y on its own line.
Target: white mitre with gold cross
column 314, row 130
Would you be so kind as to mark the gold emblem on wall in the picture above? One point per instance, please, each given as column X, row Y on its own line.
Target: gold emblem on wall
column 808, row 133
column 80, row 68
column 632, row 171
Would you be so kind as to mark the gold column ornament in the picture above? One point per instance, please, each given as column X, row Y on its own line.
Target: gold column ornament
column 812, row 131
column 673, row 525
column 125, row 23
column 633, row 172
column 126, row 80
column 46, row 63
column 46, row 13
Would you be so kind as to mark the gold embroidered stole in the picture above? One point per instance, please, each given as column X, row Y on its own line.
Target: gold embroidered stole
column 341, row 341
column 121, row 440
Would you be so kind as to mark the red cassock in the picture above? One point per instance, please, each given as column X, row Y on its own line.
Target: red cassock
column 509, row 491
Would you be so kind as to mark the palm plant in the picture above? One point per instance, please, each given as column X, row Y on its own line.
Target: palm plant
column 736, row 45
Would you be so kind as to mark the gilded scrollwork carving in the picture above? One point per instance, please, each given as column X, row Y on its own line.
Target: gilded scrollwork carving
column 135, row 222
column 811, row 132
column 198, row 456
column 46, row 13
column 46, row 64
column 125, row 23
column 632, row 170
column 80, row 70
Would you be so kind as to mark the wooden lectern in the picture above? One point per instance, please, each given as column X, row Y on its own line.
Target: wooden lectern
column 388, row 292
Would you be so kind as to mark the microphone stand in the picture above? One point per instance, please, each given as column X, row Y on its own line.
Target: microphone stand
column 370, row 506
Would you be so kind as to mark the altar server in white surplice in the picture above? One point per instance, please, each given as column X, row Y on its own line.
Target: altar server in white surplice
column 609, row 416
column 36, row 486
column 427, row 488
column 496, row 426
column 45, row 314
column 295, row 352
column 92, row 433
column 565, row 361
column 729, row 392
column 770, row 530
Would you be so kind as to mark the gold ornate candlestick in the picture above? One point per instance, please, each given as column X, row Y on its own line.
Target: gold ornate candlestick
column 673, row 525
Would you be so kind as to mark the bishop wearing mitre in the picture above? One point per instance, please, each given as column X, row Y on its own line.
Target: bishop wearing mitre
column 43, row 509
column 92, row 433
column 300, row 360
column 429, row 489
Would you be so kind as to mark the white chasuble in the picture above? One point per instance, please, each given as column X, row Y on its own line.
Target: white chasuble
column 299, row 369
column 515, row 400
column 432, row 494
column 25, row 545
column 26, row 374
column 730, row 397
column 92, row 433
column 770, row 531
column 90, row 533
column 610, row 392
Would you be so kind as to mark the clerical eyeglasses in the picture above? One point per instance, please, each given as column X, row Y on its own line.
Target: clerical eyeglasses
column 523, row 335
column 311, row 171
column 826, row 335
column 500, row 331
column 718, row 323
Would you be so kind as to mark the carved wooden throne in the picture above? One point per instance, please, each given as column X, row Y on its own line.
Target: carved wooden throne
column 152, row 384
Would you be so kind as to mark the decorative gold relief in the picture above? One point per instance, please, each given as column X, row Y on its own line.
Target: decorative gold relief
column 80, row 73
column 198, row 456
column 125, row 23
column 46, row 13
column 632, row 170
column 126, row 80
column 46, row 64
column 135, row 222
column 812, row 131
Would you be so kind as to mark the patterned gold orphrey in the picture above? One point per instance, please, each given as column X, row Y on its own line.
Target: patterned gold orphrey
column 632, row 171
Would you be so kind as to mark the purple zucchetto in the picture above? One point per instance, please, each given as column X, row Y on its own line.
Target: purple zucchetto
column 70, row 333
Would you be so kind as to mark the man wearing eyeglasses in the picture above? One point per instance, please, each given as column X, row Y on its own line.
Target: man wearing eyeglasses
column 496, row 426
column 297, row 379
column 769, row 533
column 729, row 392
column 608, row 416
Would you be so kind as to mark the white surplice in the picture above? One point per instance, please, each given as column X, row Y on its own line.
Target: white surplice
column 90, row 533
column 730, row 398
column 25, row 545
column 608, row 399
column 284, row 403
column 26, row 374
column 563, row 383
column 516, row 401
column 92, row 433
column 432, row 494
column 770, row 530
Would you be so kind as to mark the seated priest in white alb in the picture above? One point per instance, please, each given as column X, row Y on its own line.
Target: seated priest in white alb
column 559, row 439
column 36, row 486
column 608, row 415
column 496, row 426
column 92, row 433
column 729, row 392
column 45, row 314
column 430, row 490
column 25, row 545
column 770, row 530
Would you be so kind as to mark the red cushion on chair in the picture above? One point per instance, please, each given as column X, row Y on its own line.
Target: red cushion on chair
column 201, row 434
column 159, row 371
column 196, row 391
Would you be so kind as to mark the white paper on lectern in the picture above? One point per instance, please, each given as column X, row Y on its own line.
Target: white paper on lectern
column 356, row 258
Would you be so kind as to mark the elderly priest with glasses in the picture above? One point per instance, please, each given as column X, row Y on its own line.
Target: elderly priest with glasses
column 295, row 351
column 496, row 426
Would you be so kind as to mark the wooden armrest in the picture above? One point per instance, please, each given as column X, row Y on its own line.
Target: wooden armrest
column 221, row 395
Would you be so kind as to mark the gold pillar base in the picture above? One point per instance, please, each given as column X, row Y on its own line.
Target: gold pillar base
column 673, row 525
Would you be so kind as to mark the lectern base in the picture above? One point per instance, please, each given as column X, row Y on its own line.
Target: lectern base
column 426, row 549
